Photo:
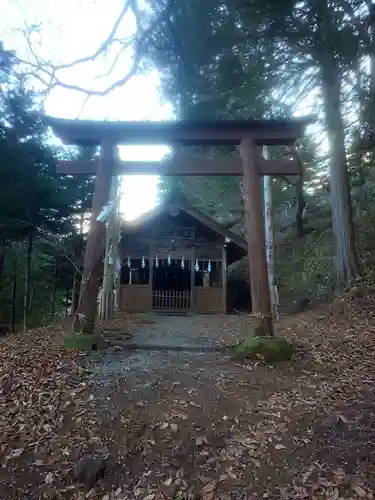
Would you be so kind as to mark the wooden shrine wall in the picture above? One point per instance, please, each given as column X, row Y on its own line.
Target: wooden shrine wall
column 162, row 238
column 135, row 298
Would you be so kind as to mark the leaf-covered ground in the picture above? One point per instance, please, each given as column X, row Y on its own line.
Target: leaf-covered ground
column 193, row 425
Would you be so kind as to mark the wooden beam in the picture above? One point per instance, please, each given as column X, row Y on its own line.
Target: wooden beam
column 260, row 292
column 231, row 165
column 263, row 132
column 76, row 167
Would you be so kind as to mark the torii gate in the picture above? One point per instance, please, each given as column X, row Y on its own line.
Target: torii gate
column 249, row 135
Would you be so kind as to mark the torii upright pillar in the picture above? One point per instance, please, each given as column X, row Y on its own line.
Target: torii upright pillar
column 260, row 292
column 84, row 321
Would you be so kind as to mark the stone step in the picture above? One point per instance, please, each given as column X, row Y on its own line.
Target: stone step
column 168, row 347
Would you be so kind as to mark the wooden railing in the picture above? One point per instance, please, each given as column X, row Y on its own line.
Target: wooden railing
column 171, row 299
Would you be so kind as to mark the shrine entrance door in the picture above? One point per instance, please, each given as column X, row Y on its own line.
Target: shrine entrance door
column 172, row 282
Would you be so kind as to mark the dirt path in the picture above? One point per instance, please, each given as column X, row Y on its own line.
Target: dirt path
column 196, row 425
column 193, row 424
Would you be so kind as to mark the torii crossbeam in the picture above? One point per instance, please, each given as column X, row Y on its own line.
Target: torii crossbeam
column 248, row 135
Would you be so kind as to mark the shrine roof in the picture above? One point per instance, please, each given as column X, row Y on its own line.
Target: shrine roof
column 182, row 204
column 221, row 132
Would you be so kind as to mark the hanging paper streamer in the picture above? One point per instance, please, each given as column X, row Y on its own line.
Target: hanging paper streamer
column 209, row 266
column 110, row 256
column 143, row 263
column 129, row 263
column 156, row 261
column 182, row 263
column 196, row 267
column 169, row 260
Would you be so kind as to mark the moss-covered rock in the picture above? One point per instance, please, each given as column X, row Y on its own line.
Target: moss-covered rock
column 271, row 349
column 84, row 342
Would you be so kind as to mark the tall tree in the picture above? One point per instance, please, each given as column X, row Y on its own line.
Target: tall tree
column 35, row 204
column 273, row 51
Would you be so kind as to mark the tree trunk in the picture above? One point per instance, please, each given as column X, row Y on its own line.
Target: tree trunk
column 32, row 293
column 371, row 101
column 346, row 265
column 2, row 263
column 300, row 206
column 67, row 294
column 77, row 277
column 14, row 293
column 53, row 305
column 26, row 296
column 81, row 220
column 75, row 291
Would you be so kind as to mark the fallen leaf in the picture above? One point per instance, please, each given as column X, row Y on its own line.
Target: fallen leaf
column 335, row 494
column 201, row 440
column 49, row 478
column 195, row 404
column 359, row 491
column 208, row 488
column 38, row 463
column 174, row 427
column 342, row 418
column 168, row 481
column 151, row 496
column 340, row 476
column 279, row 447
column 17, row 452
column 255, row 462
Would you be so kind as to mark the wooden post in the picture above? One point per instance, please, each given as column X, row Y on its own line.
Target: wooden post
column 107, row 286
column 270, row 238
column 111, row 245
column 103, row 291
column 84, row 320
column 151, row 275
column 260, row 292
column 118, row 284
column 192, row 281
column 224, row 278
column 116, row 274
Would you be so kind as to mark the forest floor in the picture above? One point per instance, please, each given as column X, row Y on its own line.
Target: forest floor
column 188, row 424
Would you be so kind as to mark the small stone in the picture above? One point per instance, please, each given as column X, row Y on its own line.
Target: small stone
column 199, row 441
column 89, row 469
column 104, row 485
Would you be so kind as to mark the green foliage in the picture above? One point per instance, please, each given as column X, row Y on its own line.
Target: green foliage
column 37, row 212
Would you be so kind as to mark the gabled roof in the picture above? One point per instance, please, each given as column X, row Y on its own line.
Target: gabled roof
column 183, row 205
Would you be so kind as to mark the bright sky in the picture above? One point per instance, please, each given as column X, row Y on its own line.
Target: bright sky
column 70, row 29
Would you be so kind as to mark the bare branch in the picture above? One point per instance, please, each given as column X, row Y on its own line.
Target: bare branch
column 104, row 46
column 46, row 73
